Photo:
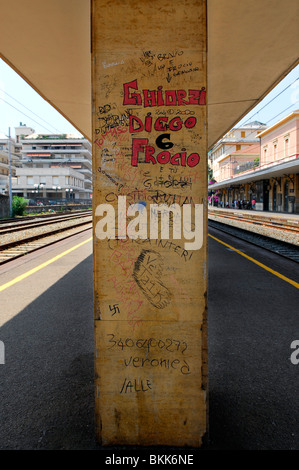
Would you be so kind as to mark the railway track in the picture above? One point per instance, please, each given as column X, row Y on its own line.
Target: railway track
column 285, row 223
column 17, row 225
column 28, row 234
column 283, row 228
column 19, row 239
column 285, row 249
column 42, row 215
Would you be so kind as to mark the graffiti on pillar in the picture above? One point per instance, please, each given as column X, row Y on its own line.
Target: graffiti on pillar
column 156, row 98
column 166, row 353
column 143, row 138
column 148, row 272
column 149, row 174
column 160, row 97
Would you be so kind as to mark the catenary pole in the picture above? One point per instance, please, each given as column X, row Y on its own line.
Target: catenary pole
column 9, row 174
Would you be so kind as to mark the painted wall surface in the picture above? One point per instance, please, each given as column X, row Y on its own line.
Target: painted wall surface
column 150, row 281
column 277, row 137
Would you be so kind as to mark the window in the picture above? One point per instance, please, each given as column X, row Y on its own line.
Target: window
column 286, row 147
column 275, row 151
column 238, row 147
column 29, row 179
column 55, row 180
column 265, row 155
column 242, row 134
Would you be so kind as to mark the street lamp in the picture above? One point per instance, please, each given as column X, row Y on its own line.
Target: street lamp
column 37, row 186
column 68, row 190
column 56, row 189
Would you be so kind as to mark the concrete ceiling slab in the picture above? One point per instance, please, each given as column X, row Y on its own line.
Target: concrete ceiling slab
column 252, row 45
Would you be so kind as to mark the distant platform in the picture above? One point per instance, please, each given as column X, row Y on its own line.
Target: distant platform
column 253, row 212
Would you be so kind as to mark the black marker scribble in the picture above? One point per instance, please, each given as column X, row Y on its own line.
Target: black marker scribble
column 148, row 272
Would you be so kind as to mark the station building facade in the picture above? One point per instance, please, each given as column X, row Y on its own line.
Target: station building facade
column 266, row 172
column 233, row 150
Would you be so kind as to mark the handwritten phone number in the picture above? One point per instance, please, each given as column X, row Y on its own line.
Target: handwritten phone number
column 171, row 345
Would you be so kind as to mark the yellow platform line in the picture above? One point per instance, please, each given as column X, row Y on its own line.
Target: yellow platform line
column 281, row 276
column 41, row 266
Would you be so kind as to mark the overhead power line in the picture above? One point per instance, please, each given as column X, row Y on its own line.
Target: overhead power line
column 282, row 112
column 267, row 104
column 30, row 110
column 26, row 115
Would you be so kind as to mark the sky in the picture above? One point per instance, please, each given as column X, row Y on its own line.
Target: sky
column 16, row 93
column 20, row 103
column 280, row 102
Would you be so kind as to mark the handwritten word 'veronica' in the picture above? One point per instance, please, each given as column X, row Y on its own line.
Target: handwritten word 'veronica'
column 137, row 228
column 159, row 97
column 163, row 363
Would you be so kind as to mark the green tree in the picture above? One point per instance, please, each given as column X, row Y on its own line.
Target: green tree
column 18, row 205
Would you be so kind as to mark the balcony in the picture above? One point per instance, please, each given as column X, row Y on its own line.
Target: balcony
column 49, row 151
column 245, row 167
column 54, row 159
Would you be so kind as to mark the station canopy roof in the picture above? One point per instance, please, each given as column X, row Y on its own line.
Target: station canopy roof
column 252, row 45
column 258, row 174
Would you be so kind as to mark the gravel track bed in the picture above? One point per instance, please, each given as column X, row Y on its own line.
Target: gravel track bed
column 22, row 234
column 276, row 233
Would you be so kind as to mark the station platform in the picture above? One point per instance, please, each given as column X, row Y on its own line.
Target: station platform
column 47, row 381
column 253, row 212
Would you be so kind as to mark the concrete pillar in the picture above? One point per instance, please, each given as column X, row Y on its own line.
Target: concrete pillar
column 150, row 162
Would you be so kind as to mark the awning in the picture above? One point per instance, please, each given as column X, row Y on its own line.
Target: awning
column 252, row 45
column 66, row 145
column 38, row 155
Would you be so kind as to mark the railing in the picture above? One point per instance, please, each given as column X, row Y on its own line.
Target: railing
column 270, row 164
column 246, row 166
column 60, row 206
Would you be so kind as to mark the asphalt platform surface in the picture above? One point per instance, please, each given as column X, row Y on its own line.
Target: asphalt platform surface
column 47, row 386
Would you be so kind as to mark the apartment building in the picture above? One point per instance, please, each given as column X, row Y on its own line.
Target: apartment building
column 55, row 167
column 233, row 150
column 4, row 162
